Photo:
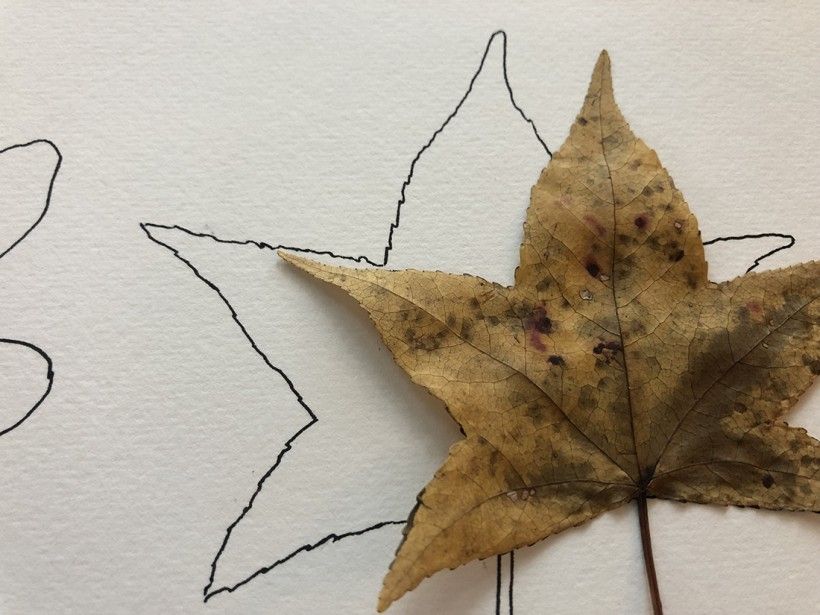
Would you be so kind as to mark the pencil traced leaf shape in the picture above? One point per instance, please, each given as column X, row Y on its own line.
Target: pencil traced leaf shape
column 611, row 370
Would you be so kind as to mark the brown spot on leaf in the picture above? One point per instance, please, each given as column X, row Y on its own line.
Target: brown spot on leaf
column 607, row 350
column 586, row 398
column 813, row 363
column 540, row 321
column 538, row 324
column 592, row 268
column 640, row 221
column 536, row 413
column 543, row 285
column 767, row 481
column 691, row 280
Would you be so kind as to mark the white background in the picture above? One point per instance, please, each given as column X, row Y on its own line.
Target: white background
column 293, row 124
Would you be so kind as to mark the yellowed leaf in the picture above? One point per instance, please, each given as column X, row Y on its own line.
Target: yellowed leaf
column 611, row 371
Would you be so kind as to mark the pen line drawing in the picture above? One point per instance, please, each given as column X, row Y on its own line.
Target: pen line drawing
column 22, row 343
column 48, row 194
column 208, row 591
column 789, row 243
column 49, row 378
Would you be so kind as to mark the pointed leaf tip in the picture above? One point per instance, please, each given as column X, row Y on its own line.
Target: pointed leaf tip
column 300, row 262
column 292, row 258
column 602, row 75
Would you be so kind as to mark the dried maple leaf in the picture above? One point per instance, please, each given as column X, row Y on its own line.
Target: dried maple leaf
column 611, row 371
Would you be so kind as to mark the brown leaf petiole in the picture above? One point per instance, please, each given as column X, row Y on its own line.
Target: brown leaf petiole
column 648, row 559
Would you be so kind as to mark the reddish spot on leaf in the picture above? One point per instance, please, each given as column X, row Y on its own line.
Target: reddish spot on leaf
column 595, row 225
column 538, row 324
column 755, row 311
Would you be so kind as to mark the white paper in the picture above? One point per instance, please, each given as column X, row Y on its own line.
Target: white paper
column 297, row 125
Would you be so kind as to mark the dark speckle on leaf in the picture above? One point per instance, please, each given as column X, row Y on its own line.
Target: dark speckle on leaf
column 540, row 321
column 556, row 360
column 812, row 363
column 691, row 280
column 593, row 269
column 587, row 398
column 767, row 480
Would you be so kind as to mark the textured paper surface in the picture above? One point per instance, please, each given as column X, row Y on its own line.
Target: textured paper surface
column 297, row 126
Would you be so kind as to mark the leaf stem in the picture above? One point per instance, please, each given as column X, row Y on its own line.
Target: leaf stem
column 649, row 561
